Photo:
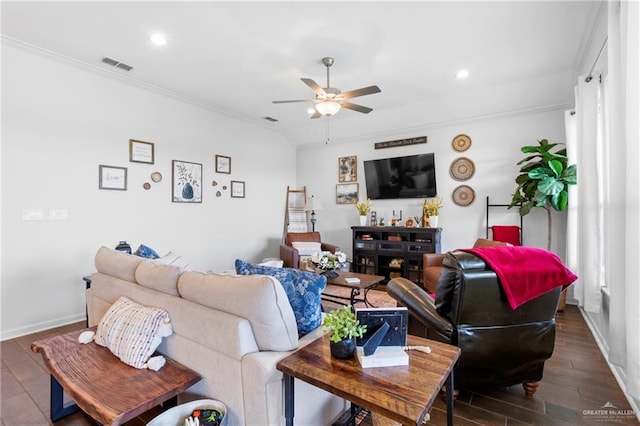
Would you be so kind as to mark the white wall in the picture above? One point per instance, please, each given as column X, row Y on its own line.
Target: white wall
column 59, row 122
column 495, row 150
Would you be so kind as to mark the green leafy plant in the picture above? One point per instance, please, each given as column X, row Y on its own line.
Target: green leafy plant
column 343, row 324
column 544, row 180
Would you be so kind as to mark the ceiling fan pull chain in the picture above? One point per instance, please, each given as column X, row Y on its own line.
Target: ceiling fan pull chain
column 327, row 141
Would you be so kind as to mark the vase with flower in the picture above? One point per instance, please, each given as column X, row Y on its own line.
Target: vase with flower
column 364, row 208
column 328, row 262
column 431, row 212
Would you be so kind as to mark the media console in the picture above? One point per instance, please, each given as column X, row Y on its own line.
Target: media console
column 393, row 251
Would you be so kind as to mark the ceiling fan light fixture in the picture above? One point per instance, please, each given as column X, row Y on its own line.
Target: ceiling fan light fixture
column 328, row 107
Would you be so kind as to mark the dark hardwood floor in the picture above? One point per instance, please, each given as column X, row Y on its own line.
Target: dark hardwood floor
column 576, row 383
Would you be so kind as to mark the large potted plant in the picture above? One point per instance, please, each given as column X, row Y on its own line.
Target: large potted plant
column 344, row 327
column 544, row 181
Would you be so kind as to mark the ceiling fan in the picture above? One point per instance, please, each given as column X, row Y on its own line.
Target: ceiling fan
column 329, row 100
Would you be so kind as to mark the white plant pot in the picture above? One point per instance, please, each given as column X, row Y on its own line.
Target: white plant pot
column 363, row 220
column 433, row 221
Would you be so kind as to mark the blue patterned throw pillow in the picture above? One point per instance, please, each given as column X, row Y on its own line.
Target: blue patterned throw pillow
column 303, row 290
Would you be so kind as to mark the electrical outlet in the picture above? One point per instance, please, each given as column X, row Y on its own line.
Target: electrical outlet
column 32, row 214
column 58, row 214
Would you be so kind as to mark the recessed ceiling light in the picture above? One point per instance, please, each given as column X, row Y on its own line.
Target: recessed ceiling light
column 462, row 74
column 158, row 39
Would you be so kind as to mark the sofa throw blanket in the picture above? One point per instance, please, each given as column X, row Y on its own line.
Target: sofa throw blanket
column 525, row 272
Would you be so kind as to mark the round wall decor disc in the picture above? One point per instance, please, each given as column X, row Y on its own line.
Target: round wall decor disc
column 463, row 195
column 461, row 142
column 462, row 168
column 156, row 177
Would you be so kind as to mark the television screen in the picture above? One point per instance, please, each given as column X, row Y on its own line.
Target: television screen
column 413, row 176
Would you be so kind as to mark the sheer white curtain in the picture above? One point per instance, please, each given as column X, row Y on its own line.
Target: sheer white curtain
column 585, row 251
column 624, row 190
column 604, row 219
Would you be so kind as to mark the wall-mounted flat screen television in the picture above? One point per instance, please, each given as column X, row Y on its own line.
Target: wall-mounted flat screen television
column 412, row 176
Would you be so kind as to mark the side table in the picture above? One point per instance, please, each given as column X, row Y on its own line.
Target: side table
column 403, row 393
column 105, row 388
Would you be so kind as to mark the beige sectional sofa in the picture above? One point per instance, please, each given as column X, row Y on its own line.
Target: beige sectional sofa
column 231, row 329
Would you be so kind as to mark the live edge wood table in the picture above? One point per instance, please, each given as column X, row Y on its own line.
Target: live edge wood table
column 404, row 393
column 102, row 386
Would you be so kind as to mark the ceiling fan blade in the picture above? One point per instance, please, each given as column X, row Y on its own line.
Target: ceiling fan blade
column 361, row 92
column 294, row 100
column 314, row 86
column 316, row 114
column 355, row 107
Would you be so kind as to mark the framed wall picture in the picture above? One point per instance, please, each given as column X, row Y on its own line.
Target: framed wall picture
column 223, row 164
column 112, row 177
column 348, row 169
column 141, row 152
column 186, row 182
column 237, row 189
column 346, row 193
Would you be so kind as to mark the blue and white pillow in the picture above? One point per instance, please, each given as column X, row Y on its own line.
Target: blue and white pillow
column 302, row 288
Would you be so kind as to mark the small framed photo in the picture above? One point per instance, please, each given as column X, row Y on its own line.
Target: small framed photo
column 348, row 169
column 223, row 164
column 141, row 152
column 112, row 177
column 186, row 182
column 237, row 189
column 346, row 193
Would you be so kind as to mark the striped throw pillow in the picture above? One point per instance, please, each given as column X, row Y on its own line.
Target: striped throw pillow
column 132, row 332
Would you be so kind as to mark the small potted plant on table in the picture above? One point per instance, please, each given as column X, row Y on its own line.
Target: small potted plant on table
column 344, row 329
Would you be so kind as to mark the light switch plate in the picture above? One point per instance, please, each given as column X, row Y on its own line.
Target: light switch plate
column 32, row 214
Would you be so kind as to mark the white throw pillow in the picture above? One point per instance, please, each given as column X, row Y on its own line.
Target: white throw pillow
column 306, row 248
column 132, row 332
column 173, row 259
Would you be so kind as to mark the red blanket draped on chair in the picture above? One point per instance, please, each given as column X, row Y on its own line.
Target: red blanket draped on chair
column 525, row 272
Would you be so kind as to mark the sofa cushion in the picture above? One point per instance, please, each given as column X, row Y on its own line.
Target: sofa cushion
column 132, row 332
column 117, row 264
column 259, row 299
column 158, row 277
column 303, row 290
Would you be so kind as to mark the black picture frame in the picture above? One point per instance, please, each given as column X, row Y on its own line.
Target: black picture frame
column 223, row 164
column 237, row 189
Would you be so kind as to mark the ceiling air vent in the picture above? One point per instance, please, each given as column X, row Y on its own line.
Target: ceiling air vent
column 273, row 120
column 117, row 64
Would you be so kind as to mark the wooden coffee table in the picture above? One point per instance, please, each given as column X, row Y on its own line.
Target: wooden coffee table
column 367, row 282
column 404, row 393
column 105, row 388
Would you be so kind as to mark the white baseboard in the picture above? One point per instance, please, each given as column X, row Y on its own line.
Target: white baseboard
column 603, row 346
column 41, row 326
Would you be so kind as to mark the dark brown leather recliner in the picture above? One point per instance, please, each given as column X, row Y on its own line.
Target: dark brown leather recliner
column 290, row 255
column 500, row 346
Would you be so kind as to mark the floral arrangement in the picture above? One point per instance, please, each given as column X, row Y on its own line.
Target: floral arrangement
column 329, row 261
column 364, row 207
column 431, row 207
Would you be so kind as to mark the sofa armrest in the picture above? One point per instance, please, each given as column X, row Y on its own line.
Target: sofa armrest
column 432, row 259
column 289, row 256
column 329, row 247
column 420, row 306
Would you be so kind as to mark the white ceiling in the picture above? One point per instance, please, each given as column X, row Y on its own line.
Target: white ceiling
column 237, row 57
